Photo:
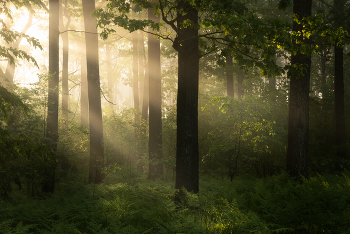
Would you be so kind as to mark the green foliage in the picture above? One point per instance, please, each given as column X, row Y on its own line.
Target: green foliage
column 9, row 36
column 8, row 101
column 244, row 137
column 272, row 205
column 23, row 146
column 318, row 205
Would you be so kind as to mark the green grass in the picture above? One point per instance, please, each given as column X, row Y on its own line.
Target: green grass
column 248, row 205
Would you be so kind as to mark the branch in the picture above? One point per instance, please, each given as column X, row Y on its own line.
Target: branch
column 169, row 22
column 326, row 4
column 106, row 98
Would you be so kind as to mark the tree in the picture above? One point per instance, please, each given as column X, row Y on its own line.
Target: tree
column 135, row 72
column 84, row 102
column 65, row 90
column 229, row 76
column 155, row 102
column 64, row 35
column 224, row 23
column 298, row 119
column 341, row 152
column 94, row 95
column 52, row 101
column 186, row 43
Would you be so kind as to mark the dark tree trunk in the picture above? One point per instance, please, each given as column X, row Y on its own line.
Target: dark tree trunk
column 52, row 102
column 155, row 103
column 187, row 155
column 135, row 70
column 324, row 90
column 229, row 76
column 298, row 121
column 339, row 109
column 339, row 93
column 94, row 95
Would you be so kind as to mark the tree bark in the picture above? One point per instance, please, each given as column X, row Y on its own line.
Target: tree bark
column 94, row 95
column 52, row 110
column 323, row 61
column 141, row 69
column 298, row 120
column 65, row 91
column 109, row 78
column 229, row 76
column 240, row 79
column 145, row 98
column 65, row 42
column 187, row 155
column 84, row 102
column 339, row 94
column 155, row 103
column 135, row 70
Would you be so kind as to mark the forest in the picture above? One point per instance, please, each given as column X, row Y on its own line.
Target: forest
column 174, row 116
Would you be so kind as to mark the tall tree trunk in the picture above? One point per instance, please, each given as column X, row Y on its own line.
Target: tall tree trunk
column 155, row 103
column 135, row 71
column 84, row 102
column 339, row 93
column 229, row 76
column 141, row 69
column 272, row 90
column 298, row 121
column 94, row 95
column 65, row 90
column 52, row 102
column 145, row 98
column 109, row 78
column 187, row 155
column 240, row 79
column 64, row 35
column 324, row 90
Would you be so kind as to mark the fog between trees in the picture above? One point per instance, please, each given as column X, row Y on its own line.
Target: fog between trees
column 172, row 91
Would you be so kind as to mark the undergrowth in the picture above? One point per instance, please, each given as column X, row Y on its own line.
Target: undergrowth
column 272, row 205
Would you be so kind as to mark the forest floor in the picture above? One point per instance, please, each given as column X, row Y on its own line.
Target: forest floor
column 136, row 205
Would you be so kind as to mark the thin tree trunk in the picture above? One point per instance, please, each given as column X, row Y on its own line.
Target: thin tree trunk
column 84, row 102
column 155, row 103
column 135, row 70
column 323, row 56
column 64, row 35
column 52, row 103
column 298, row 120
column 65, row 90
column 240, row 89
column 229, row 76
column 141, row 70
column 145, row 93
column 94, row 95
column 187, row 155
column 109, row 78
